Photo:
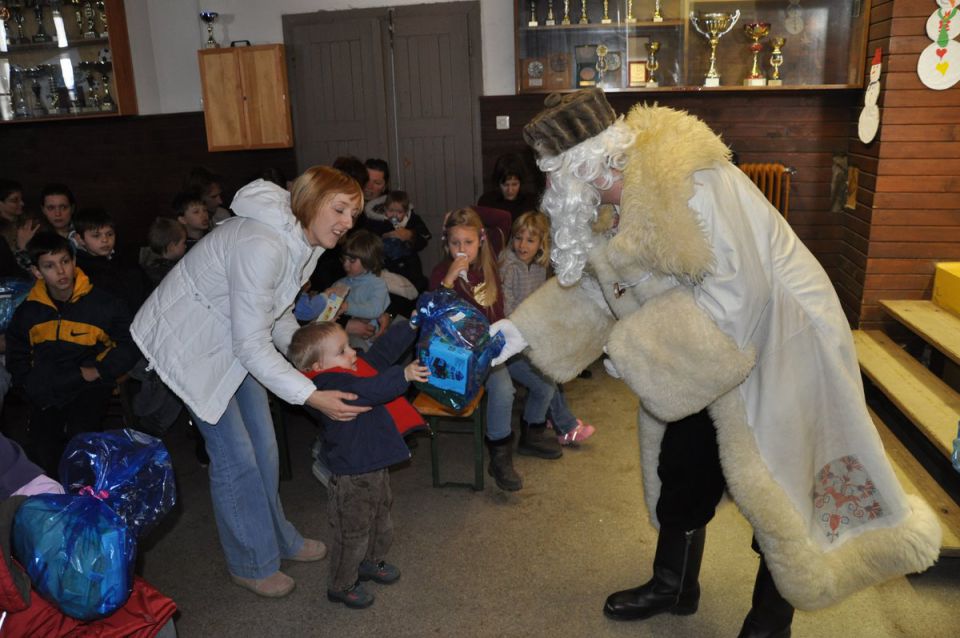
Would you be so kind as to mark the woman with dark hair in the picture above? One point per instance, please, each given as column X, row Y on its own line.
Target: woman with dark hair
column 216, row 330
column 58, row 205
column 15, row 230
column 509, row 174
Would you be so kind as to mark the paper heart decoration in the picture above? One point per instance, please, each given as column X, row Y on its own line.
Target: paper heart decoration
column 941, row 53
column 942, row 67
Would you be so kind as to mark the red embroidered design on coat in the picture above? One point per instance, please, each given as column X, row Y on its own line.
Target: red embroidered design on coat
column 844, row 497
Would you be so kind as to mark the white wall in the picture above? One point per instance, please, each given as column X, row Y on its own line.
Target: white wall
column 165, row 36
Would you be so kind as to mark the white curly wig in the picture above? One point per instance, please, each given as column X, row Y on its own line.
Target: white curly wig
column 575, row 179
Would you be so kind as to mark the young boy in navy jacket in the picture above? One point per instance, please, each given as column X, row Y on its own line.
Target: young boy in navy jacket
column 358, row 452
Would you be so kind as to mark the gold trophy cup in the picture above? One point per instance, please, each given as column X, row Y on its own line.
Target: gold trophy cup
column 652, row 63
column 713, row 26
column 756, row 31
column 776, row 59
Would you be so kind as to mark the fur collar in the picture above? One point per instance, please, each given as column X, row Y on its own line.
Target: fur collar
column 657, row 226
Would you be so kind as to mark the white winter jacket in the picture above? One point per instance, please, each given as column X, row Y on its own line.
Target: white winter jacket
column 225, row 310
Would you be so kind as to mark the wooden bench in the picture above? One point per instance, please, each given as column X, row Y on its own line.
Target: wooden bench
column 441, row 419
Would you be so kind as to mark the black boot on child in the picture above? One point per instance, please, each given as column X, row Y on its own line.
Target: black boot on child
column 536, row 440
column 674, row 587
column 771, row 615
column 501, row 464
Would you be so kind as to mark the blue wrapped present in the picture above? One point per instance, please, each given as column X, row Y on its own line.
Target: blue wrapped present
column 455, row 345
column 129, row 470
column 78, row 553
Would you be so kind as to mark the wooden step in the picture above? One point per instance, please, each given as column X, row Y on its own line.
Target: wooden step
column 932, row 405
column 915, row 480
column 938, row 327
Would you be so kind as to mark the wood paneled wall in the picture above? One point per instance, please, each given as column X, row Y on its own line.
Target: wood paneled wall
column 802, row 129
column 907, row 215
column 131, row 166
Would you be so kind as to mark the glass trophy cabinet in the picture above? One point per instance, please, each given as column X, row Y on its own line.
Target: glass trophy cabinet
column 689, row 44
column 64, row 59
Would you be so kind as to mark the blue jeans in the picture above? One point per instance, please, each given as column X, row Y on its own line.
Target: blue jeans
column 244, row 485
column 560, row 414
column 500, row 393
column 540, row 390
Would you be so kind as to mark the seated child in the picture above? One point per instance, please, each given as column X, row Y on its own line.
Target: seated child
column 166, row 244
column 369, row 298
column 67, row 345
column 95, row 236
column 358, row 452
column 190, row 210
column 523, row 269
column 310, row 305
column 404, row 235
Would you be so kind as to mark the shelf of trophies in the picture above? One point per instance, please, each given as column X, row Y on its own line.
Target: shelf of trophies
column 690, row 45
column 64, row 60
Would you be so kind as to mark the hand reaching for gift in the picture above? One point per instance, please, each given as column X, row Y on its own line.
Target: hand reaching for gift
column 514, row 341
column 416, row 371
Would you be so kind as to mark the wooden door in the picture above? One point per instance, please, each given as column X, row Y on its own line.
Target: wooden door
column 337, row 85
column 223, row 111
column 434, row 94
column 267, row 110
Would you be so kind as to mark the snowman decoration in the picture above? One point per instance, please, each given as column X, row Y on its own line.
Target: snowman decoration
column 870, row 115
column 939, row 64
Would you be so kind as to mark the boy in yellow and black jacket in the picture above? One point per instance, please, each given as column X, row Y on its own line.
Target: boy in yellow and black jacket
column 67, row 345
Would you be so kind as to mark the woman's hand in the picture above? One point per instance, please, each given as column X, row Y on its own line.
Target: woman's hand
column 460, row 264
column 360, row 328
column 25, row 233
column 331, row 403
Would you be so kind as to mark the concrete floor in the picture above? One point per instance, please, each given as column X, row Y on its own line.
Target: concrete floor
column 538, row 562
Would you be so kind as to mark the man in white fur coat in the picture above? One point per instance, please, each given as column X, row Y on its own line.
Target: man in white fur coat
column 731, row 334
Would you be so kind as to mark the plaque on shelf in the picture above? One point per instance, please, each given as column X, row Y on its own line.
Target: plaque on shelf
column 637, row 73
column 585, row 56
column 532, row 73
column 613, row 75
column 558, row 72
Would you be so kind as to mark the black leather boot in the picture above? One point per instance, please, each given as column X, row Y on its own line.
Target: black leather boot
column 501, row 464
column 674, row 586
column 771, row 615
column 536, row 440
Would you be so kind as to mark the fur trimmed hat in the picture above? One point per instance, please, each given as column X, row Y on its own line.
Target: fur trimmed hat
column 568, row 120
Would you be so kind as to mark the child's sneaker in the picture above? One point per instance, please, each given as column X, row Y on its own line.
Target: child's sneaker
column 581, row 432
column 383, row 573
column 355, row 598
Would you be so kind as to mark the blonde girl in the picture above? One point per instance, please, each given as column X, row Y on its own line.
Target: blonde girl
column 523, row 267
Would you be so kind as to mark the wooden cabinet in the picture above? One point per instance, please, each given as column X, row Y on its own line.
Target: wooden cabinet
column 245, row 98
column 64, row 60
column 571, row 44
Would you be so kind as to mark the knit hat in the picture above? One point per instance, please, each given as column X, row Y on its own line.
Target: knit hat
column 568, row 120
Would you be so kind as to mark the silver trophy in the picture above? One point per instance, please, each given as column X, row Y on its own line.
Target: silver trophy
column 209, row 17
column 41, row 35
column 713, row 26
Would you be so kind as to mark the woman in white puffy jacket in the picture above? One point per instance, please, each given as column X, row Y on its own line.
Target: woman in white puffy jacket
column 215, row 330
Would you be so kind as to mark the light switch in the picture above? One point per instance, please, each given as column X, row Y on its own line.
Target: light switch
column 503, row 122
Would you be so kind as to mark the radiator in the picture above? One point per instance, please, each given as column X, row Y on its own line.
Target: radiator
column 773, row 180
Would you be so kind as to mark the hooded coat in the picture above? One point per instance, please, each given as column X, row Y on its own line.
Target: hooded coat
column 724, row 308
column 226, row 308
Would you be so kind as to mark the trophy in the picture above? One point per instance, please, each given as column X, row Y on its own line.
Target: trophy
column 630, row 19
column 208, row 17
column 16, row 11
column 78, row 14
column 566, row 12
column 657, row 16
column 776, row 59
column 20, row 108
column 583, row 13
column 104, row 67
column 102, row 10
column 53, row 93
column 717, row 25
column 91, row 96
column 653, row 64
column 606, row 13
column 533, row 14
column 602, row 51
column 39, row 107
column 550, row 21
column 90, row 18
column 41, row 35
column 756, row 31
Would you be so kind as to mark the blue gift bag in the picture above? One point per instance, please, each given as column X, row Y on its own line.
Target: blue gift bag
column 129, row 470
column 13, row 291
column 455, row 345
column 77, row 551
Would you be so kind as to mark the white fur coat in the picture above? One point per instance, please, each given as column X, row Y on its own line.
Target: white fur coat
column 727, row 310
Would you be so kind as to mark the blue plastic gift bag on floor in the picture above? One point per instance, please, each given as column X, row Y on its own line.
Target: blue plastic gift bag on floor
column 78, row 553
column 455, row 344
column 129, row 470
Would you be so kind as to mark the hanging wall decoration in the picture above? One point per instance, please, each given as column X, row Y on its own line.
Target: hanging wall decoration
column 869, row 120
column 939, row 64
